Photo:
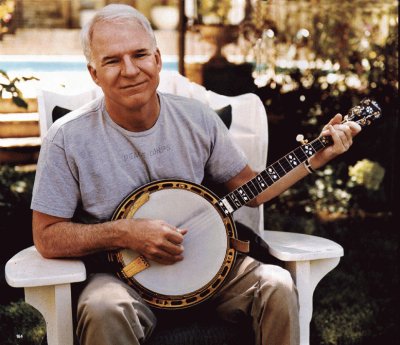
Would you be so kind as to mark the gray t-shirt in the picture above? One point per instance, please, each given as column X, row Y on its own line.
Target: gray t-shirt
column 88, row 163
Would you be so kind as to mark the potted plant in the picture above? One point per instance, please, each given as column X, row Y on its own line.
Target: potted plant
column 11, row 97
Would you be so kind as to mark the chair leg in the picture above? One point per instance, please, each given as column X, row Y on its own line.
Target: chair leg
column 307, row 275
column 54, row 303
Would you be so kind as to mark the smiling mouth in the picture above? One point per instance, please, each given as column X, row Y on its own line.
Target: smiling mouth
column 132, row 86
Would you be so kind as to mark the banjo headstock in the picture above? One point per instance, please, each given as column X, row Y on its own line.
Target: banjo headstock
column 365, row 113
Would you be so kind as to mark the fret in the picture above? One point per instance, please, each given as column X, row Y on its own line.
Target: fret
column 300, row 154
column 322, row 142
column 234, row 200
column 261, row 182
column 268, row 180
column 326, row 141
column 248, row 191
column 253, row 190
column 253, row 181
column 243, row 195
column 292, row 159
column 278, row 168
column 239, row 197
column 317, row 145
column 285, row 164
column 308, row 150
column 272, row 173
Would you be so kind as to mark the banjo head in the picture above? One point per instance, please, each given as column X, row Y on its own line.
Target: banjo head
column 208, row 256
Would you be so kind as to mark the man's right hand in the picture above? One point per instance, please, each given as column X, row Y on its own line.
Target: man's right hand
column 154, row 239
column 56, row 237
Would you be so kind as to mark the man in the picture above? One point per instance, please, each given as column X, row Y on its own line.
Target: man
column 92, row 158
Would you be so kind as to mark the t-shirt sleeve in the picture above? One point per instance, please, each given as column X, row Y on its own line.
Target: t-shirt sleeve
column 226, row 158
column 56, row 190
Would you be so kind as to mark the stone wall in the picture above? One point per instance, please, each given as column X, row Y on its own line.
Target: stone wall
column 56, row 13
column 45, row 14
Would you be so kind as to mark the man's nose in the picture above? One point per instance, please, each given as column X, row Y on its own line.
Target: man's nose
column 129, row 67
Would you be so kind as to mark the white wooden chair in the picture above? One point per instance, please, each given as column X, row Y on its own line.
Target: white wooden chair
column 47, row 282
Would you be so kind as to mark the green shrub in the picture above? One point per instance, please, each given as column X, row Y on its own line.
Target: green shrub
column 20, row 324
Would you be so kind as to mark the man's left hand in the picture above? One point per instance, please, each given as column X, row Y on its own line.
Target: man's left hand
column 342, row 135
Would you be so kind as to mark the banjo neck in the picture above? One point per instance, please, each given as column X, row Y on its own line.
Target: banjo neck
column 363, row 114
column 273, row 173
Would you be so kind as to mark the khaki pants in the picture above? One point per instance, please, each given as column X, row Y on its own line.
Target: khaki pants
column 112, row 313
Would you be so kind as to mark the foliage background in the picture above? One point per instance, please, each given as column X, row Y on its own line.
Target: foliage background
column 358, row 302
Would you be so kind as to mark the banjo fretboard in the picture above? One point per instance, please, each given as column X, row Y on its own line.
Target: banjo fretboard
column 273, row 173
column 364, row 114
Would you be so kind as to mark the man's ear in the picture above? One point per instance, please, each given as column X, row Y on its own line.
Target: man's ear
column 93, row 73
column 157, row 56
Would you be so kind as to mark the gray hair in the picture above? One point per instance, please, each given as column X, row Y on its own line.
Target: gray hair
column 114, row 13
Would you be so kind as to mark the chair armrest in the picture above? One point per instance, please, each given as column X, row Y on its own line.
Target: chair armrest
column 308, row 259
column 29, row 269
column 289, row 246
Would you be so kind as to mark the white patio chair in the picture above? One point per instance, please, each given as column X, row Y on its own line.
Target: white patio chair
column 47, row 282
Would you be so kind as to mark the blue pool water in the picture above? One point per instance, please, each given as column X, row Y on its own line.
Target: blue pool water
column 56, row 71
column 35, row 66
column 42, row 66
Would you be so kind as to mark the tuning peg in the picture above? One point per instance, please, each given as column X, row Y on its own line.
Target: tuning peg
column 300, row 139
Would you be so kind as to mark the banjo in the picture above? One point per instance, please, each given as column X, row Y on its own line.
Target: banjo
column 211, row 245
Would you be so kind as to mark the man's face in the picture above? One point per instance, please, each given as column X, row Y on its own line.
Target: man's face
column 125, row 64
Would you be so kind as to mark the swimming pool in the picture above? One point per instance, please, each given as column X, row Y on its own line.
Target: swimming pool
column 38, row 64
column 55, row 71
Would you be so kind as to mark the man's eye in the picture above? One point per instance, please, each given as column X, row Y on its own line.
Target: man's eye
column 111, row 62
column 141, row 55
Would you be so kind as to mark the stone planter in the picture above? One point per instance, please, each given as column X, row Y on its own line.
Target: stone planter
column 19, row 125
column 165, row 17
column 7, row 106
